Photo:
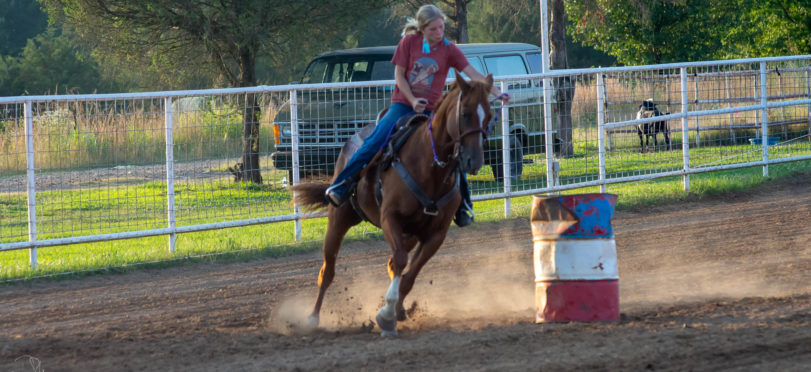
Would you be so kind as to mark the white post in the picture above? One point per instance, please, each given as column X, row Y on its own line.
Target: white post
column 808, row 109
column 698, row 119
column 547, row 93
column 600, row 130
column 294, row 144
column 764, row 126
column 170, row 172
column 505, row 152
column 32, row 188
column 685, row 136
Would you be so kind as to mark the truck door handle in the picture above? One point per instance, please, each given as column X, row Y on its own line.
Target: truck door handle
column 339, row 104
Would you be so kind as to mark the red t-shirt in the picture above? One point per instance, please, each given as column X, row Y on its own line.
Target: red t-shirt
column 426, row 72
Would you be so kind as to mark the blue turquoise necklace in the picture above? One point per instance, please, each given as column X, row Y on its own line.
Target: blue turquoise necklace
column 426, row 49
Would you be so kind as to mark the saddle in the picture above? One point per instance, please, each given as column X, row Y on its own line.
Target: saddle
column 403, row 129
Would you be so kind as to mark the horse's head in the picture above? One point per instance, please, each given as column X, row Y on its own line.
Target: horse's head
column 468, row 118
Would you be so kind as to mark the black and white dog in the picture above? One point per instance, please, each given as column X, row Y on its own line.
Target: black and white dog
column 648, row 110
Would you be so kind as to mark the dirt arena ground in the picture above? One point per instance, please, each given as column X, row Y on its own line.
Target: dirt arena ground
column 722, row 283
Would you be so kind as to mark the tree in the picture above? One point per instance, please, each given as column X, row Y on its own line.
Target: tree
column 657, row 31
column 455, row 10
column 766, row 28
column 227, row 34
column 519, row 21
column 564, row 86
column 33, row 72
column 19, row 21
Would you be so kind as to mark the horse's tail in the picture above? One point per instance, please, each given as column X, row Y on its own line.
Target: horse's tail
column 310, row 196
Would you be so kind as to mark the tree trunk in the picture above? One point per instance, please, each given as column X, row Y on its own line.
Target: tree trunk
column 461, row 22
column 564, row 86
column 250, row 169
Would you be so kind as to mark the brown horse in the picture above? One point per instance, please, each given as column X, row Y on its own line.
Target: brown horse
column 441, row 147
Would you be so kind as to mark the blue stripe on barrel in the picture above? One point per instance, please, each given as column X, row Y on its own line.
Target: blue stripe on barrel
column 594, row 211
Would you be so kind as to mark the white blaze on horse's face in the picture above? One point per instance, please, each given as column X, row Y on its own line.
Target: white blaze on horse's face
column 480, row 112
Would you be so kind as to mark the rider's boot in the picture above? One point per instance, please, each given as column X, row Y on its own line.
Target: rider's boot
column 464, row 215
column 335, row 194
column 338, row 192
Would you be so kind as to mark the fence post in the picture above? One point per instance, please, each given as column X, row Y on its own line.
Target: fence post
column 731, row 115
column 698, row 108
column 808, row 109
column 170, row 172
column 609, row 133
column 764, row 126
column 505, row 152
column 294, row 144
column 600, row 130
column 685, row 136
column 32, row 188
column 547, row 127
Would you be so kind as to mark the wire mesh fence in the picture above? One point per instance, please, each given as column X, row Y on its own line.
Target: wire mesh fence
column 79, row 169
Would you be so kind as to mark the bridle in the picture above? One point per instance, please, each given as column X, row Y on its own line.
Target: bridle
column 485, row 132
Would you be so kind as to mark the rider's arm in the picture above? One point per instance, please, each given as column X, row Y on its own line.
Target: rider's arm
column 476, row 75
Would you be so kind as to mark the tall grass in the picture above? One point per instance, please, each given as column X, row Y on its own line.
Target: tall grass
column 80, row 135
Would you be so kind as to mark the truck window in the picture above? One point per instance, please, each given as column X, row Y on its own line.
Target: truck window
column 508, row 65
column 475, row 62
column 382, row 70
column 505, row 65
column 534, row 60
column 315, row 72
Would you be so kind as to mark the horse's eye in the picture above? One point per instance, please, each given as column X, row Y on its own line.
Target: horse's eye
column 466, row 115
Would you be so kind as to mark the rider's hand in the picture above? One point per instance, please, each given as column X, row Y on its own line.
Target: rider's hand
column 505, row 98
column 419, row 105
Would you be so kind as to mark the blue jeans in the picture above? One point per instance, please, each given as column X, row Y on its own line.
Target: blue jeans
column 376, row 141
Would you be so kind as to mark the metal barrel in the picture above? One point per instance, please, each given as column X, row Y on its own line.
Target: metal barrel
column 575, row 258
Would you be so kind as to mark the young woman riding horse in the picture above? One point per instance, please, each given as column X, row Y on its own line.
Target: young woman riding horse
column 422, row 60
column 428, row 166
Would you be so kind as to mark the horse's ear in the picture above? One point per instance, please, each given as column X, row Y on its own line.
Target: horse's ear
column 489, row 80
column 461, row 82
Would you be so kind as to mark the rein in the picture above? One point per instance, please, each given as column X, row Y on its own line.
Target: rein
column 457, row 141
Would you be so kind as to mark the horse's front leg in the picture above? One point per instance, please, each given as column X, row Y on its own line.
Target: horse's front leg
column 387, row 316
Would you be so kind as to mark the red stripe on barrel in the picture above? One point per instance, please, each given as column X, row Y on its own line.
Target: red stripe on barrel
column 577, row 301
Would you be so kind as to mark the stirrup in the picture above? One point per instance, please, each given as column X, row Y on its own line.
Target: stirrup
column 464, row 216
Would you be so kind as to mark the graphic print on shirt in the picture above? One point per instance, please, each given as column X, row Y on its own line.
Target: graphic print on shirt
column 422, row 75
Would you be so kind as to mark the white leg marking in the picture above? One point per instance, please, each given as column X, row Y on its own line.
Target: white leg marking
column 392, row 295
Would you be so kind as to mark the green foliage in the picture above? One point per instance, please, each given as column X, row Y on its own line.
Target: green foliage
column 221, row 40
column 19, row 21
column 646, row 32
column 51, row 63
column 519, row 21
column 663, row 31
column 769, row 28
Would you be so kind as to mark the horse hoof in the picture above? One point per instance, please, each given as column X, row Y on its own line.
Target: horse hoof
column 388, row 326
column 401, row 314
column 312, row 322
column 388, row 334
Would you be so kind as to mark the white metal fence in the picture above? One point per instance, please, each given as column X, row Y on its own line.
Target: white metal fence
column 86, row 168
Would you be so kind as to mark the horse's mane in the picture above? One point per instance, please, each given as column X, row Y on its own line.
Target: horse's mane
column 453, row 88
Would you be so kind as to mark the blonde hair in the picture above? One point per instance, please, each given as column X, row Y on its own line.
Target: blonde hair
column 425, row 15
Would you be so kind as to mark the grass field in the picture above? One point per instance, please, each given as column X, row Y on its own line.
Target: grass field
column 142, row 206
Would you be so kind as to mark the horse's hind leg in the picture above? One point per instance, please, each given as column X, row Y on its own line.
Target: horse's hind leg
column 337, row 226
